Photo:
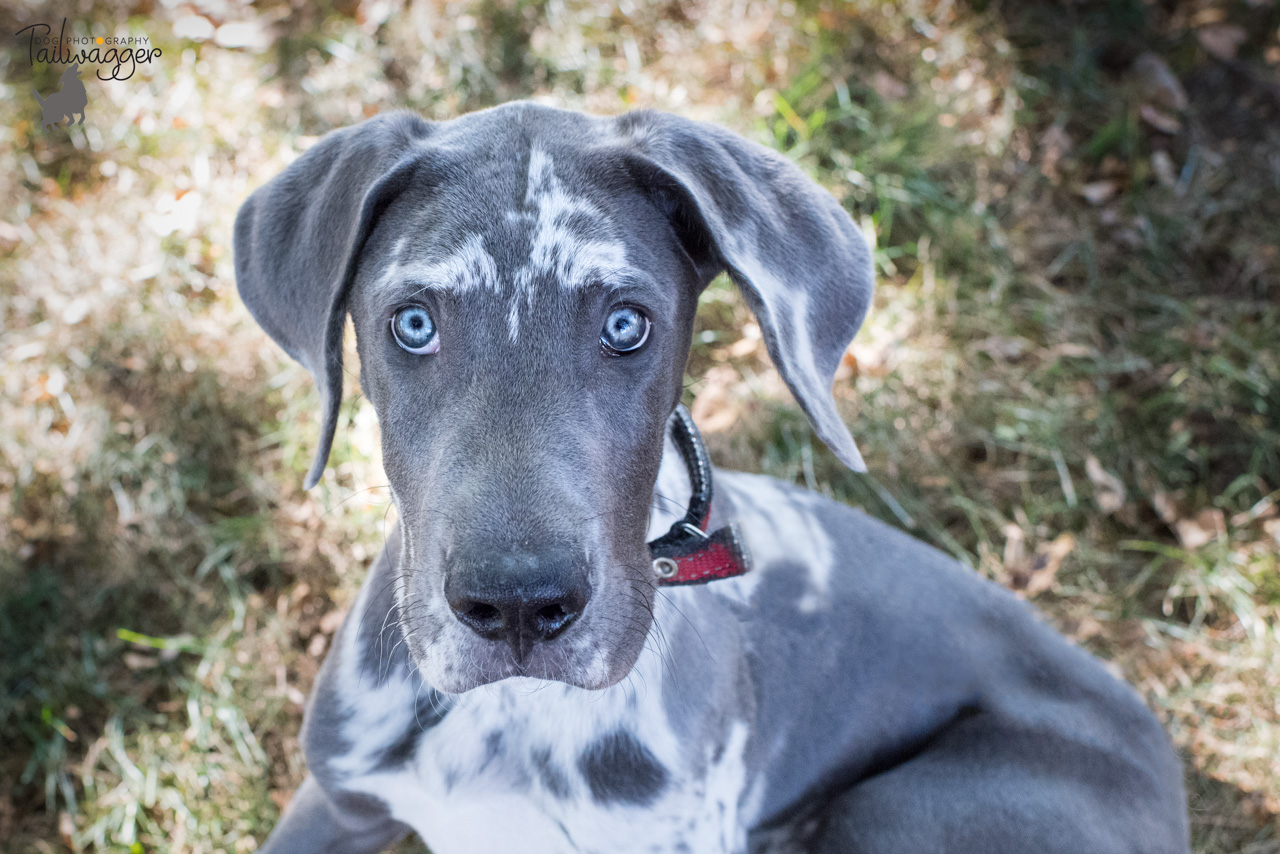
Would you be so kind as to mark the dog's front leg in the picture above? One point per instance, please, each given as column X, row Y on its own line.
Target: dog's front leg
column 313, row 823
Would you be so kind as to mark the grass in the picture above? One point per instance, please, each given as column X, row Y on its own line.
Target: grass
column 1070, row 379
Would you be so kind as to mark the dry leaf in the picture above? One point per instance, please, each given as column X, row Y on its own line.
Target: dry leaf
column 1014, row 552
column 888, row 87
column 138, row 661
column 1264, row 509
column 744, row 347
column 1070, row 349
column 1162, row 166
column 1047, row 562
column 1098, row 192
column 1108, row 490
column 1086, row 628
column 1272, row 527
column 1166, row 507
column 1201, row 528
column 1158, row 83
column 67, row 829
column 315, row 649
column 715, row 408
column 332, row 621
column 10, row 237
column 848, row 367
column 1001, row 348
column 1211, row 15
column 1159, row 120
column 1054, row 145
column 1222, row 40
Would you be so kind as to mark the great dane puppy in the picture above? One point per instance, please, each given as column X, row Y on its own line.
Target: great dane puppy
column 522, row 282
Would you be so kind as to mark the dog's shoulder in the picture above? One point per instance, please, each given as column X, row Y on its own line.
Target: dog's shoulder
column 853, row 626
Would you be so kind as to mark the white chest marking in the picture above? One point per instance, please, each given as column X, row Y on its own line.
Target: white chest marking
column 504, row 770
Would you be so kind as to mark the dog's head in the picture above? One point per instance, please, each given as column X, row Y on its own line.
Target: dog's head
column 523, row 282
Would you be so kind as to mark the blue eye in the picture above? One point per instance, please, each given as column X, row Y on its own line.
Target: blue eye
column 414, row 331
column 625, row 330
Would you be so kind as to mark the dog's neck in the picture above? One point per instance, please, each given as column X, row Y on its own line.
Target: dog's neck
column 671, row 491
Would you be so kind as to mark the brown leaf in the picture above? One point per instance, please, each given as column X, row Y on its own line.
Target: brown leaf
column 1222, row 40
column 1047, row 562
column 1099, row 192
column 67, row 829
column 138, row 661
column 888, row 87
column 1087, row 627
column 715, row 408
column 1162, row 166
column 744, row 347
column 10, row 237
column 1200, row 529
column 332, row 621
column 1108, row 490
column 1166, row 506
column 1014, row 549
column 1272, row 527
column 1055, row 144
column 1158, row 83
column 1161, row 121
column 1001, row 348
column 1070, row 349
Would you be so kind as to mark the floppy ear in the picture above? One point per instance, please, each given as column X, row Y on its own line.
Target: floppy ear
column 298, row 240
column 801, row 264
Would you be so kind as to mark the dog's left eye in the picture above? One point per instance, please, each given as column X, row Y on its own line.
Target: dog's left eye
column 625, row 330
column 414, row 330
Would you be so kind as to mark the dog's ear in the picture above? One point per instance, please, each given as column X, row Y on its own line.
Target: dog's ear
column 800, row 262
column 299, row 237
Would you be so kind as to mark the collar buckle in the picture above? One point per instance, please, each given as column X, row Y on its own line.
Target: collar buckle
column 687, row 554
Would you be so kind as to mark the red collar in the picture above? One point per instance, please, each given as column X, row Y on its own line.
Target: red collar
column 687, row 554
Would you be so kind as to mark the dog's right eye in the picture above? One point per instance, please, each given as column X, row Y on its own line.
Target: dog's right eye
column 625, row 330
column 414, row 330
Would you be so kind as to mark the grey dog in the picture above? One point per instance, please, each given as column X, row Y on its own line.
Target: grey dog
column 522, row 283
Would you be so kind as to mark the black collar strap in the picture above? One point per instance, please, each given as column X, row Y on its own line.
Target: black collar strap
column 687, row 554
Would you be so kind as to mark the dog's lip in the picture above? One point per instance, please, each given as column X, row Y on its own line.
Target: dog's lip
column 490, row 661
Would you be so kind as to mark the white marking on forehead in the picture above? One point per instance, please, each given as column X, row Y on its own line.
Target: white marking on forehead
column 571, row 242
column 471, row 267
column 572, row 258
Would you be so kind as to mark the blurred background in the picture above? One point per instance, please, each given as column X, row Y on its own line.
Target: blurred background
column 1070, row 379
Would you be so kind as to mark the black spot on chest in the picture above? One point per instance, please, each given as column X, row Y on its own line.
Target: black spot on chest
column 619, row 769
column 552, row 777
column 431, row 708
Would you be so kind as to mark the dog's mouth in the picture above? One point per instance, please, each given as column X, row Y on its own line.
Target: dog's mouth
column 592, row 650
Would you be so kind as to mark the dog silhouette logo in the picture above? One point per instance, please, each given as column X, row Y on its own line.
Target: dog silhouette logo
column 68, row 102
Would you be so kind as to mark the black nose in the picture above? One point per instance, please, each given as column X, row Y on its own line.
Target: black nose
column 518, row 597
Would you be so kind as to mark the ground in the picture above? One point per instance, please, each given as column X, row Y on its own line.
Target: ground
column 1070, row 379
